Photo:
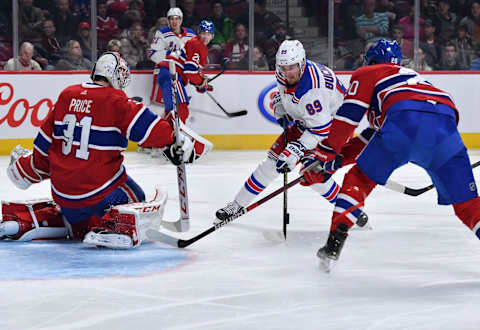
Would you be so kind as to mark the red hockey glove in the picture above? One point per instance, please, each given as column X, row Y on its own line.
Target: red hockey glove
column 204, row 86
column 314, row 176
column 327, row 158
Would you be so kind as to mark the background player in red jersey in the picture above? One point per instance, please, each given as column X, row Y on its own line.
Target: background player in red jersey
column 189, row 62
column 414, row 122
column 79, row 148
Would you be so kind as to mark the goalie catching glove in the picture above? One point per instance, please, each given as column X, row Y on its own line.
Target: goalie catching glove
column 192, row 147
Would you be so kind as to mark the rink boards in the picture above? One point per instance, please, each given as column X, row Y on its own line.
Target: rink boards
column 25, row 100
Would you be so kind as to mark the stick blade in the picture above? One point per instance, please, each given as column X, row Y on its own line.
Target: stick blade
column 237, row 113
column 157, row 236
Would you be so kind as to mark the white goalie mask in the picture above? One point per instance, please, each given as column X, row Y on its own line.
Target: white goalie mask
column 290, row 52
column 114, row 68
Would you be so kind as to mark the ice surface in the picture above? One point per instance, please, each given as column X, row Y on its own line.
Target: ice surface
column 417, row 269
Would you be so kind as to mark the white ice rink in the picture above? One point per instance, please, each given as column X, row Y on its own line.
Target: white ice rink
column 419, row 268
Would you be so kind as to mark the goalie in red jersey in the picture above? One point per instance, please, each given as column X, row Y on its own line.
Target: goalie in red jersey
column 79, row 148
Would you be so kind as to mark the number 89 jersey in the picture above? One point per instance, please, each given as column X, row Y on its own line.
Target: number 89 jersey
column 313, row 101
column 80, row 142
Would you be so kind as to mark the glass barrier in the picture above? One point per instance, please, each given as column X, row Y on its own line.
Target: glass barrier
column 6, row 35
column 333, row 32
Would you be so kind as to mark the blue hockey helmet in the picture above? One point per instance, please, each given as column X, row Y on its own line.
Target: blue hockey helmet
column 385, row 51
column 206, row 26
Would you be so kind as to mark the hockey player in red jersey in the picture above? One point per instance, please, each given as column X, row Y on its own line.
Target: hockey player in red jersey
column 189, row 62
column 414, row 122
column 79, row 149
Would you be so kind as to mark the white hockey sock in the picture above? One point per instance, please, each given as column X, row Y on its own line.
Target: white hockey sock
column 263, row 175
column 329, row 189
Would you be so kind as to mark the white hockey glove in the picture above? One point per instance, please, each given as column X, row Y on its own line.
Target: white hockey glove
column 193, row 147
column 178, row 153
column 290, row 156
column 18, row 178
column 281, row 115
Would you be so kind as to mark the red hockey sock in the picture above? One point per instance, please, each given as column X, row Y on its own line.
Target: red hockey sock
column 469, row 213
column 356, row 187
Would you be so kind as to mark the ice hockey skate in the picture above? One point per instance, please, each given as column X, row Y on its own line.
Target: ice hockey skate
column 362, row 223
column 228, row 211
column 108, row 239
column 331, row 251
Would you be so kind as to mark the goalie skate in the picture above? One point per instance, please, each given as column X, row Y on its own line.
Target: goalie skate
column 331, row 251
column 227, row 212
column 105, row 238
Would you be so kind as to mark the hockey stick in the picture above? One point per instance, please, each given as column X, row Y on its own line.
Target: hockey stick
column 224, row 64
column 155, row 235
column 392, row 185
column 183, row 223
column 229, row 114
column 286, row 216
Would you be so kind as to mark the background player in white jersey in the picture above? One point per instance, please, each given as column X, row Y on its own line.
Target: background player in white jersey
column 171, row 38
column 309, row 94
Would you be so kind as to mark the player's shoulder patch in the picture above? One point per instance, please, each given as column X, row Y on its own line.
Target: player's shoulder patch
column 165, row 29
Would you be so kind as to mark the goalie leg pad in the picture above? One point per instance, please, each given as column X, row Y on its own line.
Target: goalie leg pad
column 125, row 225
column 356, row 187
column 33, row 219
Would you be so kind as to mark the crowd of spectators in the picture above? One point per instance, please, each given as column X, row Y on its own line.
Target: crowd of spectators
column 58, row 34
column 449, row 31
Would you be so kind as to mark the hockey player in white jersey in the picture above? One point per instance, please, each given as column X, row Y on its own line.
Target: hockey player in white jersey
column 309, row 95
column 170, row 38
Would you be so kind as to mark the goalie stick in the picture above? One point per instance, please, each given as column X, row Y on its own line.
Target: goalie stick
column 155, row 235
column 392, row 185
column 183, row 223
column 239, row 113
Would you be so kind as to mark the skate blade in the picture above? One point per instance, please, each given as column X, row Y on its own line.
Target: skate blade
column 366, row 227
column 111, row 241
column 325, row 264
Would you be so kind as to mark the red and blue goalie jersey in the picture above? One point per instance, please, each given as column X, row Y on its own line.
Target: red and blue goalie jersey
column 190, row 61
column 80, row 142
column 376, row 88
